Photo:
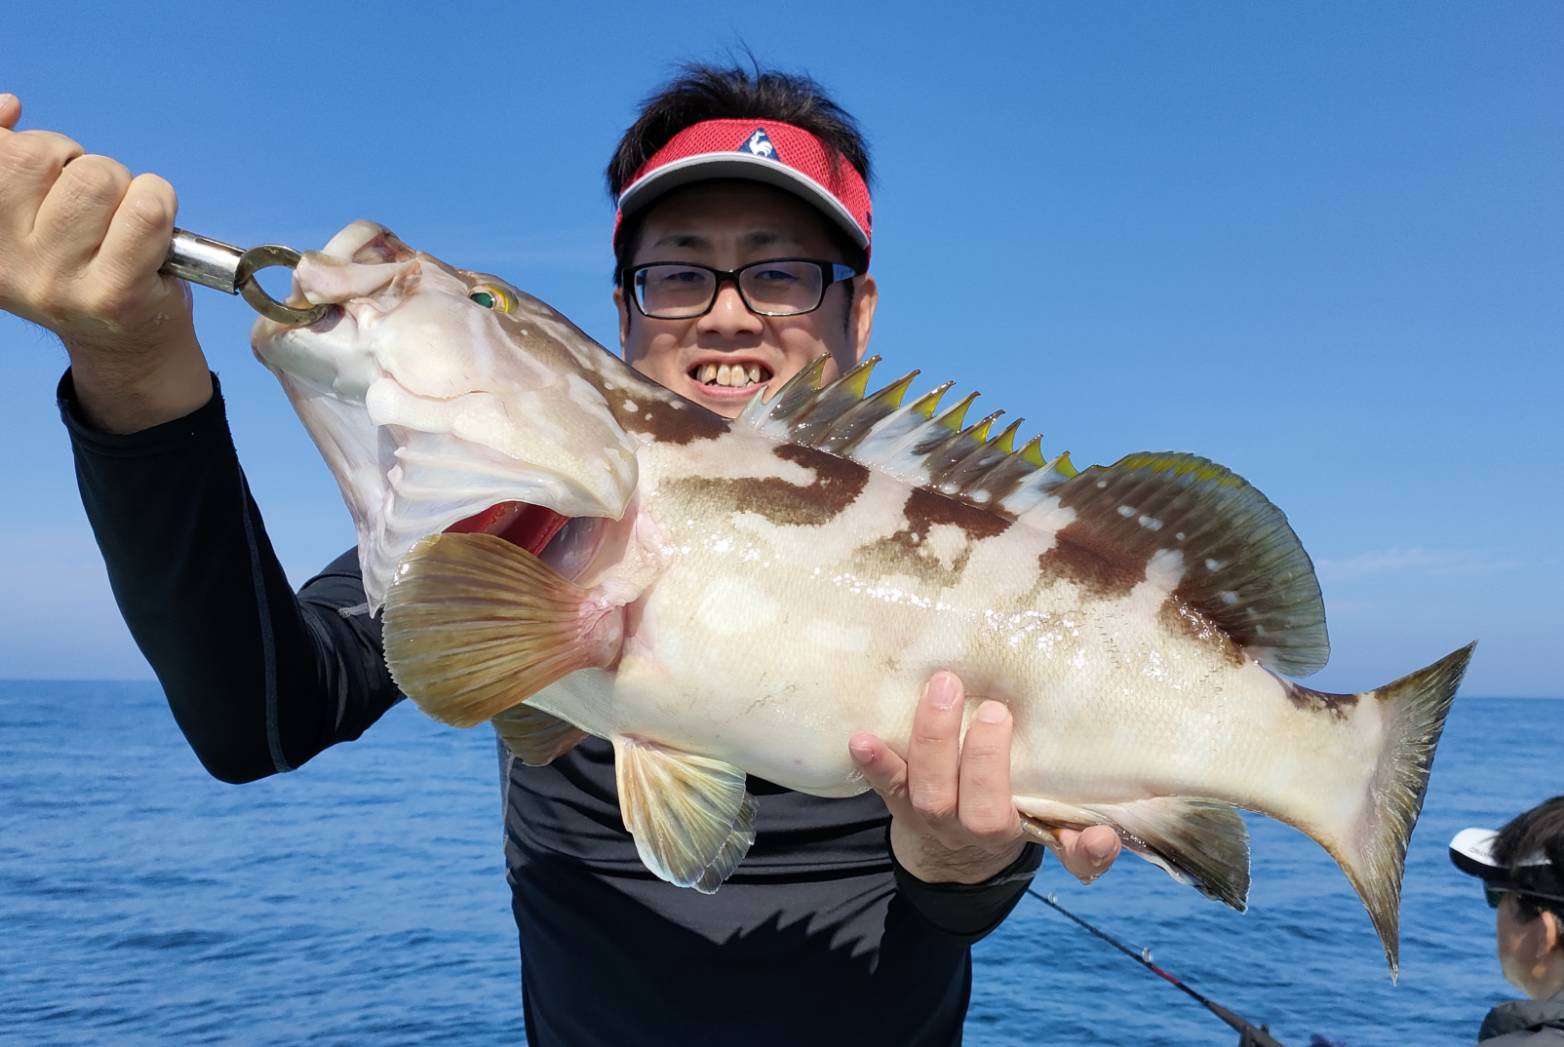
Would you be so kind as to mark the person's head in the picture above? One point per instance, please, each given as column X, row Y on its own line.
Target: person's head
column 1522, row 870
column 725, row 168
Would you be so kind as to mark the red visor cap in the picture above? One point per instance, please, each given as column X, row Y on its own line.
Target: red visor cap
column 767, row 151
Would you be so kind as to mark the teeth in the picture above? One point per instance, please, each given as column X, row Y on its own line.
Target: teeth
column 735, row 376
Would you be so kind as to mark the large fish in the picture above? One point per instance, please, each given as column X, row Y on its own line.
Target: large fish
column 565, row 547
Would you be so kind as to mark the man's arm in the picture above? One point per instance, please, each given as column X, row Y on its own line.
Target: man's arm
column 258, row 680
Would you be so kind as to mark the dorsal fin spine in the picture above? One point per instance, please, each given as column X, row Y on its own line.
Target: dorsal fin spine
column 1006, row 441
column 1033, row 452
column 928, row 403
column 952, row 418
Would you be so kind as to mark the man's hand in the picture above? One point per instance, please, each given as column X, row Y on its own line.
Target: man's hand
column 81, row 242
column 953, row 818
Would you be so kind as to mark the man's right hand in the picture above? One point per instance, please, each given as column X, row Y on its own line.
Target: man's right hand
column 81, row 242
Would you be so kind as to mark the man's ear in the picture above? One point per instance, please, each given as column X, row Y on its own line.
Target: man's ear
column 624, row 322
column 865, row 299
column 1550, row 931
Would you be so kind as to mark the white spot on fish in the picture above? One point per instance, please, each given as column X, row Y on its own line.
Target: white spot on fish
column 1165, row 569
column 980, row 497
column 631, row 406
column 1126, row 511
column 1228, row 597
column 1179, row 535
column 1150, row 523
column 1214, row 565
column 947, row 542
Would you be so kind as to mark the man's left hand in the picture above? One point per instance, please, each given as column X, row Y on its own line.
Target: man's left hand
column 953, row 816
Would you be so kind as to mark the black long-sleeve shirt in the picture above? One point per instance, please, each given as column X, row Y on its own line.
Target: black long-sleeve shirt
column 819, row 936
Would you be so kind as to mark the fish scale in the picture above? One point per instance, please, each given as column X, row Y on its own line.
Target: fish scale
column 731, row 598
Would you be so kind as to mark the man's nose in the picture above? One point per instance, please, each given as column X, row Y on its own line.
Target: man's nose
column 728, row 316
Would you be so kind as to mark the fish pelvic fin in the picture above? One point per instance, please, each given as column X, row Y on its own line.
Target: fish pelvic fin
column 535, row 737
column 1202, row 843
column 475, row 625
column 690, row 815
column 1372, row 852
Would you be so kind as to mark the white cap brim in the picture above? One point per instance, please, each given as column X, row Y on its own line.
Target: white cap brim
column 1472, row 853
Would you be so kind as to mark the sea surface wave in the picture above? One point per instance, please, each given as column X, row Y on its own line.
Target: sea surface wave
column 362, row 899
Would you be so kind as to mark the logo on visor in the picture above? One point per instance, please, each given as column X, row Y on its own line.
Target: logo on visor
column 760, row 145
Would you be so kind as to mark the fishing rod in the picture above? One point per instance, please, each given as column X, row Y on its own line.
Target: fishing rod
column 1253, row 1035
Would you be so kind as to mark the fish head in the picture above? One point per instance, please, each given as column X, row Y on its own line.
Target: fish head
column 437, row 395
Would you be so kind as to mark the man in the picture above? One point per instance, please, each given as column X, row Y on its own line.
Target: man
column 842, row 923
column 1522, row 870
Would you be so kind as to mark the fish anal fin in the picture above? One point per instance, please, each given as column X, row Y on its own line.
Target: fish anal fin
column 691, row 817
column 475, row 625
column 535, row 737
column 1203, row 843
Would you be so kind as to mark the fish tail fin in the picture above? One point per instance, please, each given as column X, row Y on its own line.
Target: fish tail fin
column 475, row 625
column 1372, row 850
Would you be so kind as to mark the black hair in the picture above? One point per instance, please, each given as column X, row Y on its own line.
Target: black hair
column 1537, row 831
column 709, row 92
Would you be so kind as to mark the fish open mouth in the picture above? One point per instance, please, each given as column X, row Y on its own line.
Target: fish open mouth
column 532, row 527
column 740, row 375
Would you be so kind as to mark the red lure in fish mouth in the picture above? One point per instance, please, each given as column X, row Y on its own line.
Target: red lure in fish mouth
column 530, row 526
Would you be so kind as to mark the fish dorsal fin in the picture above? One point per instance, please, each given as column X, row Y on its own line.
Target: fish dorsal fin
column 1243, row 568
column 915, row 442
column 1239, row 564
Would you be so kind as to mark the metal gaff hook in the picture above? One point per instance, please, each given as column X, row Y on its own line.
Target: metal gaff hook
column 224, row 267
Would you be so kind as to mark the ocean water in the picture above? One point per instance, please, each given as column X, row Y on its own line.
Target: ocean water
column 362, row 900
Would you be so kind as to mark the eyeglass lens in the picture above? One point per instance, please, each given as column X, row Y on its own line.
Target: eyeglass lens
column 778, row 288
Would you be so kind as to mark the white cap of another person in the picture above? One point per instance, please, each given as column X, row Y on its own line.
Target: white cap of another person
column 1472, row 852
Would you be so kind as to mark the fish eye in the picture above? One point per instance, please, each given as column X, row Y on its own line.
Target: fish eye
column 491, row 297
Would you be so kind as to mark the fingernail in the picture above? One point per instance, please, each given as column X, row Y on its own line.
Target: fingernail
column 863, row 752
column 942, row 690
column 6, row 97
column 1098, row 850
column 992, row 712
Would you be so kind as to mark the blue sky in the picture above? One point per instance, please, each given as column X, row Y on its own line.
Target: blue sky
column 1322, row 244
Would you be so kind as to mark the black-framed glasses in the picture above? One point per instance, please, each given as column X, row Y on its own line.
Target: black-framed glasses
column 772, row 287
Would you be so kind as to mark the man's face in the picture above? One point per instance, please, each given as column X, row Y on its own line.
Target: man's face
column 1526, row 947
column 726, row 225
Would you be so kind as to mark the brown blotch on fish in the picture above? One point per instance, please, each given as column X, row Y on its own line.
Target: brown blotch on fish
column 663, row 419
column 836, row 485
column 1181, row 619
column 1076, row 557
column 1339, row 706
column 925, row 510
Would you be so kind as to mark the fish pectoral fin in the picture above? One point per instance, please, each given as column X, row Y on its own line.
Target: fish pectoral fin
column 474, row 625
column 1203, row 843
column 535, row 737
column 691, row 817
